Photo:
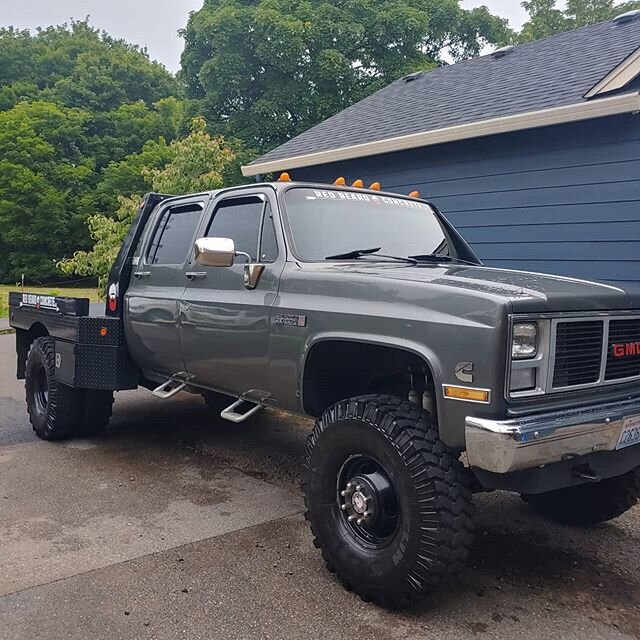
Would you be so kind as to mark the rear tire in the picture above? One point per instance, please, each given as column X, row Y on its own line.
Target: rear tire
column 589, row 504
column 57, row 411
column 419, row 527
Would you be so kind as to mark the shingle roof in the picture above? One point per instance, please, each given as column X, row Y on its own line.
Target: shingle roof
column 552, row 72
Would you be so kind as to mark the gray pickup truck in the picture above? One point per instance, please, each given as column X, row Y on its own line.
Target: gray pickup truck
column 430, row 376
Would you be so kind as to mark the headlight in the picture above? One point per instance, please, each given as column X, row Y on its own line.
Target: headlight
column 525, row 340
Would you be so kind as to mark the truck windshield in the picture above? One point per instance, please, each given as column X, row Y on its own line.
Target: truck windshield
column 331, row 222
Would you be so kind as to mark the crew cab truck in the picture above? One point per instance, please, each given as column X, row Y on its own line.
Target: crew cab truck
column 430, row 376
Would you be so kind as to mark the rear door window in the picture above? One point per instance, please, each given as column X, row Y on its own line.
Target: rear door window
column 173, row 236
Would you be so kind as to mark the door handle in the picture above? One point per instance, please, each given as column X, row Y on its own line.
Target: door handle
column 141, row 274
column 192, row 275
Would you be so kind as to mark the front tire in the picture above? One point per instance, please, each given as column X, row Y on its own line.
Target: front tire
column 589, row 504
column 389, row 504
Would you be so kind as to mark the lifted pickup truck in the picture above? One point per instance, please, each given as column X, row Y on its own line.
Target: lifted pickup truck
column 431, row 376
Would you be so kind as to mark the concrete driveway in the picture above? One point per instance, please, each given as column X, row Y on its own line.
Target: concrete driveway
column 175, row 524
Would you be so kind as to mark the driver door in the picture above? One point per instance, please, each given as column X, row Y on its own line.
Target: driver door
column 225, row 327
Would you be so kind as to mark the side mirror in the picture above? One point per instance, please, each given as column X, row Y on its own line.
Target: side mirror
column 215, row 252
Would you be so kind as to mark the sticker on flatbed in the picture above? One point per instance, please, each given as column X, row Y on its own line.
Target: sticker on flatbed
column 38, row 301
column 630, row 433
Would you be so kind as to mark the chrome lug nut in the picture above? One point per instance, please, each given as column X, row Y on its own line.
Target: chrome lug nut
column 352, row 517
column 343, row 493
column 343, row 507
column 358, row 487
column 360, row 520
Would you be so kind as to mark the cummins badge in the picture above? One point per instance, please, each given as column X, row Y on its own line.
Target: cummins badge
column 464, row 371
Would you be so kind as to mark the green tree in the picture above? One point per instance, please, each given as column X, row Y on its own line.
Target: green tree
column 198, row 162
column 43, row 204
column 130, row 175
column 545, row 19
column 76, row 109
column 77, row 65
column 266, row 70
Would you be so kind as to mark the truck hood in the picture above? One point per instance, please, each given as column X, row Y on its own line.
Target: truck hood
column 526, row 292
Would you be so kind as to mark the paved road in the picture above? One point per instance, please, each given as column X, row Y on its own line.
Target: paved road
column 176, row 525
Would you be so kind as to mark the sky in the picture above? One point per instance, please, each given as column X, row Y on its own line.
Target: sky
column 154, row 24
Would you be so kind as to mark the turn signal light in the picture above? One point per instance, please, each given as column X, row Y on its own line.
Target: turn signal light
column 375, row 186
column 103, row 331
column 414, row 194
column 340, row 181
column 284, row 177
column 358, row 184
column 465, row 393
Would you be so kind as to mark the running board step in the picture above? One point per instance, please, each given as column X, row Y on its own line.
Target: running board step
column 166, row 391
column 232, row 415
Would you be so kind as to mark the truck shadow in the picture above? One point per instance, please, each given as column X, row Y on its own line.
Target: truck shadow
column 515, row 552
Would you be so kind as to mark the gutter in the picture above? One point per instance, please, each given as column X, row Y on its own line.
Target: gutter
column 625, row 103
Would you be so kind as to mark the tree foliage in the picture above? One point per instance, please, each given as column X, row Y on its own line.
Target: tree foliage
column 196, row 163
column 546, row 19
column 266, row 70
column 79, row 66
column 75, row 104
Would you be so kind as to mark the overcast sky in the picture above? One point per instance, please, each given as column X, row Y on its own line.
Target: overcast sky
column 154, row 23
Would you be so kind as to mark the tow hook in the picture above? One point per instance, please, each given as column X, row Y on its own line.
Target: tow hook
column 585, row 473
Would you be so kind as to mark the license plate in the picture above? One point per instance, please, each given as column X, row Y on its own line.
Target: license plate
column 630, row 433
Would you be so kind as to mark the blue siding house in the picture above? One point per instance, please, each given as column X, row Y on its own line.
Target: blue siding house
column 532, row 152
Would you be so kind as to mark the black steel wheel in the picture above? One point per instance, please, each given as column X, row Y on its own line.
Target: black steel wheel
column 388, row 503
column 367, row 500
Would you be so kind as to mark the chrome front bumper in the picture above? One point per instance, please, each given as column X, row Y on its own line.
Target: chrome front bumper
column 502, row 446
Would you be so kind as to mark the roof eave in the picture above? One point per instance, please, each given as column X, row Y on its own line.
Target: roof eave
column 624, row 103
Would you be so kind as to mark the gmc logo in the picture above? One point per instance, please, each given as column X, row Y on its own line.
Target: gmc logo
column 623, row 349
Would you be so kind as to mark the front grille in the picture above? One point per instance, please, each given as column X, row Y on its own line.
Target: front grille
column 623, row 354
column 578, row 355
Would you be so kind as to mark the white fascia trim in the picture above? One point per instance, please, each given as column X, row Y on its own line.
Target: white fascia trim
column 619, row 77
column 626, row 103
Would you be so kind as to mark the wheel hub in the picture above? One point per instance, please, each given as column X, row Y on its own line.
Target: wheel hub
column 359, row 500
column 367, row 500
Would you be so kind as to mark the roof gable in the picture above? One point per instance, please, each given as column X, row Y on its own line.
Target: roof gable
column 540, row 76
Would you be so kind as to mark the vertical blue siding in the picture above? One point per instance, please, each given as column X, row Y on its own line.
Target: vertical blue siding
column 563, row 199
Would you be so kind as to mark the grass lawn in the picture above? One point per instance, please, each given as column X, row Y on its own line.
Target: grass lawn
column 74, row 292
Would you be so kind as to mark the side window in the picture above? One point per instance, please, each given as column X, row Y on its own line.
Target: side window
column 173, row 236
column 238, row 219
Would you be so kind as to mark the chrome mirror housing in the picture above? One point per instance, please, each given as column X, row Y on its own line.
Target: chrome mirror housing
column 215, row 252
